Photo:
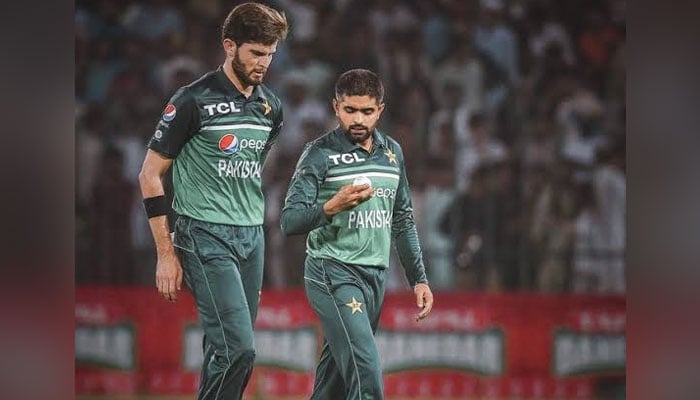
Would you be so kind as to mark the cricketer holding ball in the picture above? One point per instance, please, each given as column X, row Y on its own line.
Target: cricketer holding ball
column 350, row 231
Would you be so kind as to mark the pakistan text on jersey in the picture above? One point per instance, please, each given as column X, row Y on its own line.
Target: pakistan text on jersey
column 239, row 169
column 369, row 219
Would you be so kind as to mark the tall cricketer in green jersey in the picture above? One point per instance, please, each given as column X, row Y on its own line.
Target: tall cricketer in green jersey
column 350, row 194
column 215, row 133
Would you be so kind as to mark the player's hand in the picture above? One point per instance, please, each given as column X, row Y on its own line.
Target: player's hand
column 347, row 197
column 424, row 300
column 168, row 276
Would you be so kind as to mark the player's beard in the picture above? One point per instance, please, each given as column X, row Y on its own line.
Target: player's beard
column 358, row 136
column 244, row 76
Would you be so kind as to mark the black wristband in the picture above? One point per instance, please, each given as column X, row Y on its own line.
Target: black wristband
column 156, row 206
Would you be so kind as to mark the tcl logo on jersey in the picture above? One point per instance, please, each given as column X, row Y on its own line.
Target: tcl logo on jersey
column 221, row 108
column 169, row 112
column 345, row 158
column 230, row 144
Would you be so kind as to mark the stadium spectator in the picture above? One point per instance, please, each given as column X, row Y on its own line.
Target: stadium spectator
column 111, row 205
column 551, row 90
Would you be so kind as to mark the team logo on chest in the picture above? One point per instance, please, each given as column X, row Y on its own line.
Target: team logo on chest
column 266, row 107
column 229, row 144
column 391, row 156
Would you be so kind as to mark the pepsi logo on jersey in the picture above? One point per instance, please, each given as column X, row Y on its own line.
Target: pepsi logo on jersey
column 230, row 144
column 169, row 112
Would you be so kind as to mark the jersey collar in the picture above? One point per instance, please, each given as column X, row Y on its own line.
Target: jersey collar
column 378, row 138
column 257, row 90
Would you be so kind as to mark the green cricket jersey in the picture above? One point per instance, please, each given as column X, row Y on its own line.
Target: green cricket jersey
column 362, row 235
column 219, row 141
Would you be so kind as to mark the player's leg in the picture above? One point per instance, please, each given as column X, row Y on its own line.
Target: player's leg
column 183, row 246
column 208, row 352
column 250, row 245
column 337, row 298
column 181, row 250
column 374, row 285
column 328, row 382
column 210, row 266
column 375, row 280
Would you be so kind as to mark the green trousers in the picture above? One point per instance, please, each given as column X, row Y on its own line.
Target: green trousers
column 223, row 267
column 347, row 300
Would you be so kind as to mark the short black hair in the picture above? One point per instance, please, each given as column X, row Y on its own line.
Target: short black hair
column 359, row 82
column 254, row 23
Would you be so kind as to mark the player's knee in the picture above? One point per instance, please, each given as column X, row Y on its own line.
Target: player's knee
column 373, row 390
column 220, row 363
column 246, row 356
column 372, row 385
column 242, row 357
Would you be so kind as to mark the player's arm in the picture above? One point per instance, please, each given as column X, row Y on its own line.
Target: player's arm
column 302, row 211
column 405, row 238
column 168, row 269
column 178, row 123
column 404, row 232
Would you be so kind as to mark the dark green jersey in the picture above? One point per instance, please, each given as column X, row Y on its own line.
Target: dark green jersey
column 218, row 140
column 362, row 235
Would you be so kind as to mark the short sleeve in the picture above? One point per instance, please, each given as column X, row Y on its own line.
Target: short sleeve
column 178, row 123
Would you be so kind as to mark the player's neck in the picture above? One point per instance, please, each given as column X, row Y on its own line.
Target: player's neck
column 367, row 144
column 246, row 90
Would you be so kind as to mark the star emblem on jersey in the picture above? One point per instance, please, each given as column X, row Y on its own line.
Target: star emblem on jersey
column 267, row 107
column 354, row 305
column 391, row 155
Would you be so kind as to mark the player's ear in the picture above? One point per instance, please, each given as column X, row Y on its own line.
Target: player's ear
column 380, row 109
column 335, row 106
column 229, row 47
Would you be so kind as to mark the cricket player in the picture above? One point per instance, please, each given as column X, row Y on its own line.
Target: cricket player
column 350, row 194
column 216, row 133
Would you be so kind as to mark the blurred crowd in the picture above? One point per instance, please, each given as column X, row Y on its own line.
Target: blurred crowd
column 511, row 114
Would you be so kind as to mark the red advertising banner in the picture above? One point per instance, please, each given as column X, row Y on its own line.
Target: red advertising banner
column 130, row 341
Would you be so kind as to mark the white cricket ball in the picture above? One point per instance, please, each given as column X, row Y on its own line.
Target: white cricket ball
column 361, row 180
